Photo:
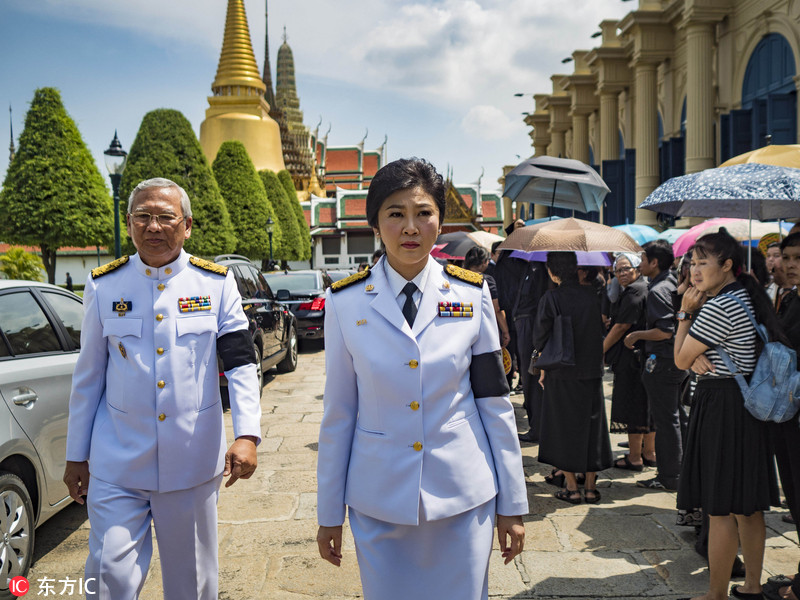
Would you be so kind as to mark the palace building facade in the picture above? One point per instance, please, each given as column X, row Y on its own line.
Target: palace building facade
column 675, row 87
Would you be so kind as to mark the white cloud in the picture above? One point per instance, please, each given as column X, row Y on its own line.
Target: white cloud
column 490, row 123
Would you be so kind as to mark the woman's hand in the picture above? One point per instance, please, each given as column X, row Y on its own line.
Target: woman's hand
column 692, row 300
column 510, row 527
column 329, row 540
column 702, row 365
column 541, row 379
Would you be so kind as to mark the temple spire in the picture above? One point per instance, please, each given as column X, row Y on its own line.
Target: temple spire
column 237, row 73
column 269, row 95
column 11, row 135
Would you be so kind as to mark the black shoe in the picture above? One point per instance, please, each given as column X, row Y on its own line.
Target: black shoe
column 787, row 519
column 528, row 438
column 624, row 445
column 743, row 595
column 655, row 484
column 737, row 571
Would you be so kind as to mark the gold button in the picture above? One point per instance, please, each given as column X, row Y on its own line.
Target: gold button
column 168, row 271
column 417, row 446
column 162, row 383
column 413, row 364
column 161, row 287
column 159, row 317
column 414, row 405
column 147, row 271
column 160, row 350
column 162, row 416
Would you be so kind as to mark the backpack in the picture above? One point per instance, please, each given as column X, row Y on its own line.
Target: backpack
column 773, row 393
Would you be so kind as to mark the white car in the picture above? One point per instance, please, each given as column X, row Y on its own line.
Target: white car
column 40, row 328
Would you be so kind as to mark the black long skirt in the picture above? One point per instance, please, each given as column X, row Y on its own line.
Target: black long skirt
column 728, row 466
column 574, row 434
column 629, row 404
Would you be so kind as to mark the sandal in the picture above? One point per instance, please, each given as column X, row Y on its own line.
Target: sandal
column 627, row 464
column 560, row 481
column 744, row 595
column 594, row 498
column 648, row 463
column 567, row 495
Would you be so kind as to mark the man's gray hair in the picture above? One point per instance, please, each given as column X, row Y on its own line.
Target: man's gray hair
column 160, row 182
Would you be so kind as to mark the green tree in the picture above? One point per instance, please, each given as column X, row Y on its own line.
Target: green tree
column 245, row 198
column 291, row 247
column 288, row 185
column 166, row 146
column 53, row 194
column 18, row 264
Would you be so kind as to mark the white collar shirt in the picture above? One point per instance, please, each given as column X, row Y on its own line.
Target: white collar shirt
column 397, row 282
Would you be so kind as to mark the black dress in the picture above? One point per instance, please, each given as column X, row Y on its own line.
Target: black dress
column 574, row 434
column 728, row 467
column 629, row 399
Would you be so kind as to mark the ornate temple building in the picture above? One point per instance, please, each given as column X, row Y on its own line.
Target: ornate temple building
column 675, row 86
column 237, row 109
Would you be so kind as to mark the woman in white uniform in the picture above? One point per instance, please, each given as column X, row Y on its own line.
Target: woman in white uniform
column 418, row 436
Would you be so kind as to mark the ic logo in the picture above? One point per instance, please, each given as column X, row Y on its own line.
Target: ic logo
column 18, row 586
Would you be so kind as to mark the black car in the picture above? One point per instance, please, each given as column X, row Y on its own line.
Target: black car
column 273, row 326
column 304, row 292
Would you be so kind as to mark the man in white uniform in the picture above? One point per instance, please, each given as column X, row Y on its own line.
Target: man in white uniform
column 145, row 412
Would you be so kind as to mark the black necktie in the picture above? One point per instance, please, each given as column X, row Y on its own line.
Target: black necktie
column 409, row 308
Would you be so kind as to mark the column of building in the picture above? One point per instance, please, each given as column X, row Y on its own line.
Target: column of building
column 699, row 96
column 646, row 137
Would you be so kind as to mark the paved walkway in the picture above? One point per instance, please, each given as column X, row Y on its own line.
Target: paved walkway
column 626, row 547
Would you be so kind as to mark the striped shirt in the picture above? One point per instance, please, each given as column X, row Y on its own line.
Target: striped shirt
column 723, row 322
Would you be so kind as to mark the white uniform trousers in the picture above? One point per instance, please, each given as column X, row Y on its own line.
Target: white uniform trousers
column 446, row 558
column 121, row 545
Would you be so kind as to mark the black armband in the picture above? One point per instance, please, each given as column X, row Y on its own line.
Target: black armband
column 236, row 349
column 487, row 375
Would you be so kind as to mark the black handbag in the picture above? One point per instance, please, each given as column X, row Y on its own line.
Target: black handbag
column 559, row 350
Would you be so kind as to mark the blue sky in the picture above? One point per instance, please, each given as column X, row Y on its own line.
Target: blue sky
column 437, row 77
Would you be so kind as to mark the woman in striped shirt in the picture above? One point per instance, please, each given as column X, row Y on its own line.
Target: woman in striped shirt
column 728, row 468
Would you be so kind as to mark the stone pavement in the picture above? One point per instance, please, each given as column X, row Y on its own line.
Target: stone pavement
column 628, row 546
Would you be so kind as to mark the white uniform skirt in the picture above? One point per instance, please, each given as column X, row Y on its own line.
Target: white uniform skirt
column 446, row 558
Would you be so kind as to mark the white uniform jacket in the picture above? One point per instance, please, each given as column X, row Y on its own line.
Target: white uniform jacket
column 415, row 415
column 145, row 408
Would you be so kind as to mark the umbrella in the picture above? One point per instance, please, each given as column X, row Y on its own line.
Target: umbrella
column 741, row 229
column 437, row 252
column 541, row 220
column 585, row 259
column 672, row 235
column 570, row 235
column 640, row 233
column 457, row 243
column 556, row 182
column 780, row 156
column 746, row 191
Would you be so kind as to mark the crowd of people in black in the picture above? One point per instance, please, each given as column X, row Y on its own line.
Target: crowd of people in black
column 657, row 324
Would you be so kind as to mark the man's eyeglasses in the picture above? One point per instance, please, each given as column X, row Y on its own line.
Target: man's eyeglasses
column 143, row 219
column 623, row 270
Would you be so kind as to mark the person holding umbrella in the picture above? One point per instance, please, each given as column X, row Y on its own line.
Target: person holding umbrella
column 728, row 469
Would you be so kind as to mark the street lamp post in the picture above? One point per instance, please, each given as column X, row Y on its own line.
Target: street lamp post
column 116, row 158
column 270, row 223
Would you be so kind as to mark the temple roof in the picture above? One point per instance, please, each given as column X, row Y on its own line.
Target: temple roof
column 237, row 63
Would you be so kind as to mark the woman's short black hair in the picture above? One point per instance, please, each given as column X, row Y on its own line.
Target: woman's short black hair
column 404, row 174
column 563, row 265
column 476, row 256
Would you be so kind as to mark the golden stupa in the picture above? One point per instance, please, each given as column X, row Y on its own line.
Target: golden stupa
column 238, row 110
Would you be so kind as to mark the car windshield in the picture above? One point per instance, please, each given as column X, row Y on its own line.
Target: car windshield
column 294, row 282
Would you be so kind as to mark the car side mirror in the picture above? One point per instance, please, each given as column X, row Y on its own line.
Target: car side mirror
column 283, row 295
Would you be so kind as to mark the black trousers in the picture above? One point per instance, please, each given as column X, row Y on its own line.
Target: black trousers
column 663, row 388
column 530, row 384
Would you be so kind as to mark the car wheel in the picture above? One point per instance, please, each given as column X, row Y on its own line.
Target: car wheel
column 259, row 369
column 289, row 362
column 16, row 529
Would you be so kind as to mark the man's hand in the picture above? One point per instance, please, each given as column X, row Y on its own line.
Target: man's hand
column 631, row 339
column 329, row 540
column 505, row 337
column 76, row 476
column 240, row 459
column 510, row 527
column 541, row 379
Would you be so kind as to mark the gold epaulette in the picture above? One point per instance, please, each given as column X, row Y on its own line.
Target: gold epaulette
column 107, row 268
column 208, row 265
column 470, row 277
column 355, row 277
